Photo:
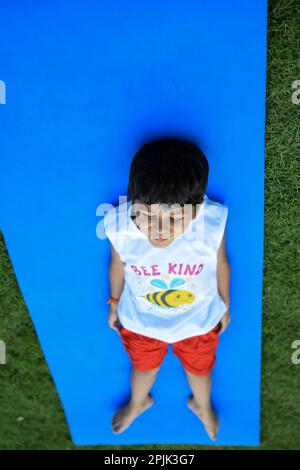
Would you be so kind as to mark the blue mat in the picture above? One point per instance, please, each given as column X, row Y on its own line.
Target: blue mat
column 86, row 84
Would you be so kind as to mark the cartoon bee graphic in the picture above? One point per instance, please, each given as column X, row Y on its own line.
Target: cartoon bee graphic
column 170, row 297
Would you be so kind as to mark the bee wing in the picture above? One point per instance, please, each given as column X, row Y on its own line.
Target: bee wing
column 176, row 282
column 159, row 283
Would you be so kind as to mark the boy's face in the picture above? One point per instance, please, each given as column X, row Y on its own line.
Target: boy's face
column 162, row 223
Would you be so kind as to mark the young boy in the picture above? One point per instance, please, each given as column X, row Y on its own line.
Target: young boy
column 167, row 286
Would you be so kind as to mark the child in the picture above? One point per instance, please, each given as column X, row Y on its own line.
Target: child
column 166, row 286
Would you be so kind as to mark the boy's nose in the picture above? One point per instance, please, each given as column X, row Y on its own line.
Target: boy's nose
column 163, row 227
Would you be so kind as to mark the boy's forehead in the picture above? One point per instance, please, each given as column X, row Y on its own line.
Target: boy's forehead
column 156, row 207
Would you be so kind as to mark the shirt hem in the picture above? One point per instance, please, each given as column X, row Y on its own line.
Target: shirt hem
column 153, row 334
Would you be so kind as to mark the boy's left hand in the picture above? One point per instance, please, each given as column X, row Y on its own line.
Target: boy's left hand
column 225, row 320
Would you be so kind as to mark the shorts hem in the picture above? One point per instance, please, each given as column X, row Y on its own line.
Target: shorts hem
column 146, row 370
column 202, row 373
column 197, row 371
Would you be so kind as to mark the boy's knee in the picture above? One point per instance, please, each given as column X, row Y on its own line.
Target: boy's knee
column 202, row 373
column 149, row 371
column 154, row 371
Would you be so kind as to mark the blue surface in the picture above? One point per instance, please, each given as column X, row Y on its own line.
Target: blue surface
column 87, row 82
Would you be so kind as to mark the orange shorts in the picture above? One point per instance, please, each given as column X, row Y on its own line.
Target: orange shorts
column 196, row 354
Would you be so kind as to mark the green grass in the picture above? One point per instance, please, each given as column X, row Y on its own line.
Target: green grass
column 27, row 389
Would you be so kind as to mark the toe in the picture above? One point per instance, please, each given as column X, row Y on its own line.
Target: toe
column 189, row 402
column 116, row 426
column 118, row 429
column 115, row 420
column 213, row 435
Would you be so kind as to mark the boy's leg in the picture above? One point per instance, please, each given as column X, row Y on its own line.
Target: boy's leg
column 201, row 388
column 146, row 355
column 197, row 355
column 200, row 402
column 141, row 383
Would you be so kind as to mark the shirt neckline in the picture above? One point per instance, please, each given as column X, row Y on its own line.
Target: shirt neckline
column 144, row 236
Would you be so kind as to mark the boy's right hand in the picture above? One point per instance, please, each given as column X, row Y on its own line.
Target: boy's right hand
column 113, row 319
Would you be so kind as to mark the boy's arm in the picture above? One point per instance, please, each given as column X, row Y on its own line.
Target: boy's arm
column 116, row 276
column 223, row 277
column 116, row 273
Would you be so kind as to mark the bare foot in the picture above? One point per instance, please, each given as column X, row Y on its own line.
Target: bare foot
column 127, row 413
column 208, row 417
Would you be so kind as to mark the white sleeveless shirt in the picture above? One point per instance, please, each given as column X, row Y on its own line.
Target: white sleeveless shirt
column 170, row 293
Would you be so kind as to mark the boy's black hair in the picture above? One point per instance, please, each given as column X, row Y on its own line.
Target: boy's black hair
column 170, row 171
